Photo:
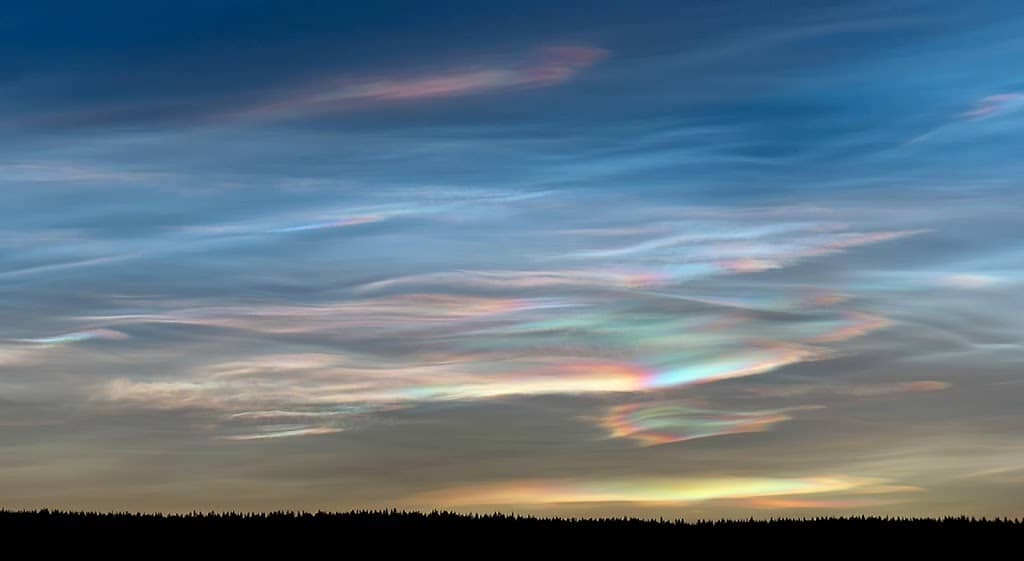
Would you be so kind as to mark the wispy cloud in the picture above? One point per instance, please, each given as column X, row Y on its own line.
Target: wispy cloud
column 995, row 105
column 74, row 337
column 549, row 66
column 984, row 109
column 639, row 490
column 63, row 266
column 511, row 279
column 284, row 432
column 775, row 503
column 851, row 390
column 654, row 423
column 628, row 321
column 743, row 249
column 969, row 281
column 70, row 172
column 853, row 324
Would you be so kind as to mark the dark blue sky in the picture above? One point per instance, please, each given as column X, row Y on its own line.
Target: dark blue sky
column 657, row 258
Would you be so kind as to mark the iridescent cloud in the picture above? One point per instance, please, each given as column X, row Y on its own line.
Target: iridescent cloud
column 758, row 358
column 36, row 350
column 640, row 490
column 787, row 503
column 526, row 279
column 674, row 259
column 271, row 389
column 547, row 67
column 415, row 203
column 853, row 324
column 969, row 281
column 626, row 324
column 397, row 312
column 653, row 423
column 60, row 172
column 77, row 336
column 301, row 380
column 282, row 432
column 716, row 248
column 852, row 390
column 995, row 105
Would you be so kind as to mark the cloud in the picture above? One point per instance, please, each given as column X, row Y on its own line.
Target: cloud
column 65, row 266
column 290, row 381
column 775, row 503
column 848, row 390
column 629, row 322
column 986, row 108
column 994, row 105
column 641, row 490
column 655, row 423
column 394, row 313
column 665, row 261
column 513, row 280
column 548, row 67
column 969, row 281
column 77, row 336
column 284, row 432
column 755, row 358
column 738, row 249
column 415, row 203
column 70, row 172
column 854, row 324
column 35, row 351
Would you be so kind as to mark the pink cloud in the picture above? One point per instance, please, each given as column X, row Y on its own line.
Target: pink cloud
column 547, row 67
column 995, row 105
column 558, row 64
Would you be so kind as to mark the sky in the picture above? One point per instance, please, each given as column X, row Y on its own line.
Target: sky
column 681, row 259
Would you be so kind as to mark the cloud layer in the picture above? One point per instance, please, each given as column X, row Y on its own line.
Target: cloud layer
column 656, row 259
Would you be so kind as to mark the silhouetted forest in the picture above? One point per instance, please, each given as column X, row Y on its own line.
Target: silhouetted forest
column 398, row 530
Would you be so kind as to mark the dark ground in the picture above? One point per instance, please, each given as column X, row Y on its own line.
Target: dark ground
column 345, row 534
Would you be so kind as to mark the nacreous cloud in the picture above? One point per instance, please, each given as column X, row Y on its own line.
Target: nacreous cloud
column 648, row 490
column 629, row 321
column 666, row 422
column 995, row 105
column 549, row 66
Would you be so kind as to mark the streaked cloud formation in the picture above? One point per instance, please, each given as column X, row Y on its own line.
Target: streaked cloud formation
column 993, row 105
column 650, row 490
column 648, row 259
column 548, row 66
column 494, row 334
column 662, row 423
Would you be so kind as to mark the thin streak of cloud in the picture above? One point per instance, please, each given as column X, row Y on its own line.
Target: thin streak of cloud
column 550, row 66
column 969, row 281
column 775, row 503
column 284, row 433
column 639, row 490
column 847, row 390
column 854, row 324
column 994, row 105
column 986, row 108
column 69, row 172
column 522, row 279
column 656, row 423
column 77, row 336
column 57, row 267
